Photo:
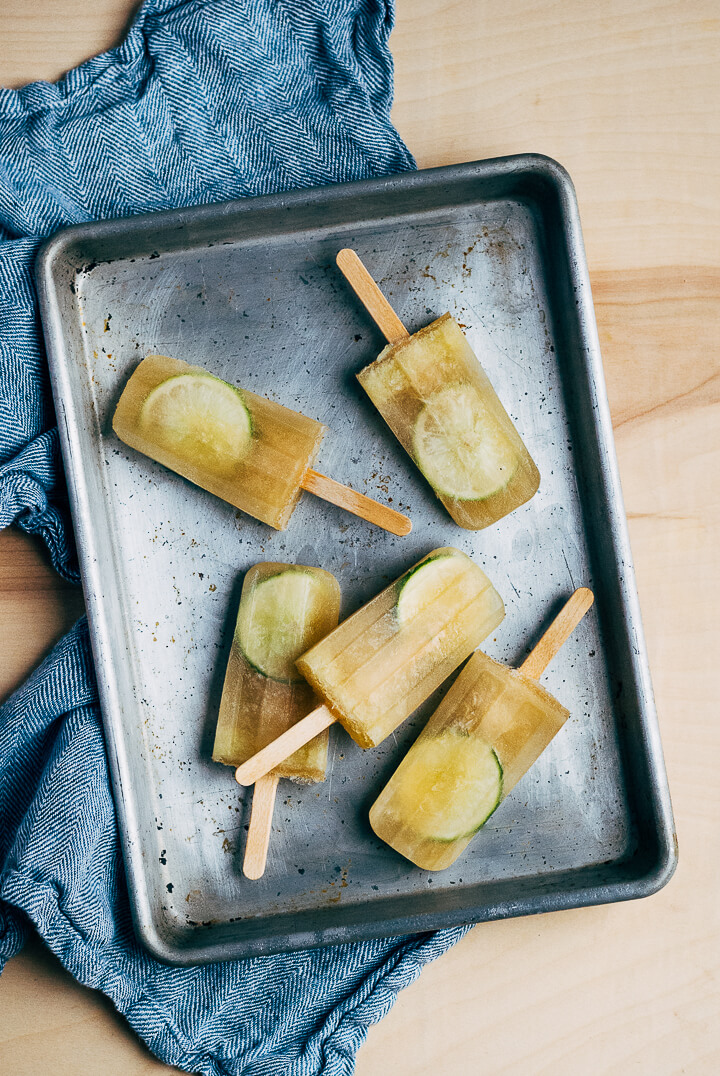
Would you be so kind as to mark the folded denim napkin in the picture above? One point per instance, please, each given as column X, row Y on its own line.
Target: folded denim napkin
column 205, row 100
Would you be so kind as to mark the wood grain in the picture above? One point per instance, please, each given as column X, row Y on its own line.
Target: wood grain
column 36, row 607
column 260, row 828
column 46, row 38
column 370, row 296
column 381, row 515
column 626, row 97
column 287, row 744
column 49, row 1023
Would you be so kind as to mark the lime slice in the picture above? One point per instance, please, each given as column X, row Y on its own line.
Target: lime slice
column 460, row 447
column 424, row 584
column 200, row 419
column 282, row 618
column 448, row 786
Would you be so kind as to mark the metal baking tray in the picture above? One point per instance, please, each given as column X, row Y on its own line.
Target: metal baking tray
column 250, row 289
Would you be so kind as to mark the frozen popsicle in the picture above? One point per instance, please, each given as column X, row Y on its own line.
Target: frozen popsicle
column 490, row 728
column 389, row 656
column 284, row 609
column 438, row 401
column 252, row 452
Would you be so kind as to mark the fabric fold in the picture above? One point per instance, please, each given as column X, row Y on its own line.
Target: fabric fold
column 204, row 100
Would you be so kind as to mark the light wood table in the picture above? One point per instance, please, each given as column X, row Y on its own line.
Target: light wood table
column 626, row 96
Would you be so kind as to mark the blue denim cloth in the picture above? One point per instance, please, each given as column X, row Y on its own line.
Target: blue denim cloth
column 204, row 100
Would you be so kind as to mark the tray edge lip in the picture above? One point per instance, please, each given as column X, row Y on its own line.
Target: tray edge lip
column 139, row 900
column 540, row 164
column 658, row 785
column 399, row 926
column 550, row 171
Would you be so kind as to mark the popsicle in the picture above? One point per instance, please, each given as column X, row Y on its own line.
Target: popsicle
column 284, row 609
column 490, row 728
column 389, row 656
column 252, row 452
column 438, row 401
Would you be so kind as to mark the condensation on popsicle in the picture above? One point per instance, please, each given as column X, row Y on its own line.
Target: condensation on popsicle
column 252, row 452
column 284, row 609
column 491, row 727
column 381, row 663
column 436, row 398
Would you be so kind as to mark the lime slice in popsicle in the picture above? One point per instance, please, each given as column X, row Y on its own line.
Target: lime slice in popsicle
column 448, row 786
column 424, row 584
column 283, row 617
column 460, row 447
column 200, row 419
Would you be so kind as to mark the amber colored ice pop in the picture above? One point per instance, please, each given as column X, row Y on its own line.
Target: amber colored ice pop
column 252, row 452
column 284, row 609
column 488, row 731
column 439, row 402
column 382, row 662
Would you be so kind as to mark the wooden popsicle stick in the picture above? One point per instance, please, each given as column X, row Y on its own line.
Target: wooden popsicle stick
column 321, row 718
column 371, row 297
column 261, row 816
column 276, row 752
column 357, row 503
column 559, row 631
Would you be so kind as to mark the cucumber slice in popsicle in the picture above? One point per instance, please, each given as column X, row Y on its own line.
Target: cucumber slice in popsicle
column 284, row 617
column 201, row 419
column 448, row 786
column 459, row 446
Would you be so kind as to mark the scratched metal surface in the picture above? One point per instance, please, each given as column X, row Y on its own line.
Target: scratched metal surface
column 251, row 291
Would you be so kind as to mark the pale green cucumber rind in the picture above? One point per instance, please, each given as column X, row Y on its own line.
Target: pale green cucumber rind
column 467, row 834
column 266, row 676
column 441, row 493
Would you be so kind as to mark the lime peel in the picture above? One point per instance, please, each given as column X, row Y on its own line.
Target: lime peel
column 424, row 584
column 201, row 419
column 448, row 786
column 460, row 447
column 279, row 622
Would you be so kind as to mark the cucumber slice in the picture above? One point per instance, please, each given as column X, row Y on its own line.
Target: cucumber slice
column 281, row 618
column 460, row 447
column 199, row 418
column 424, row 584
column 448, row 786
